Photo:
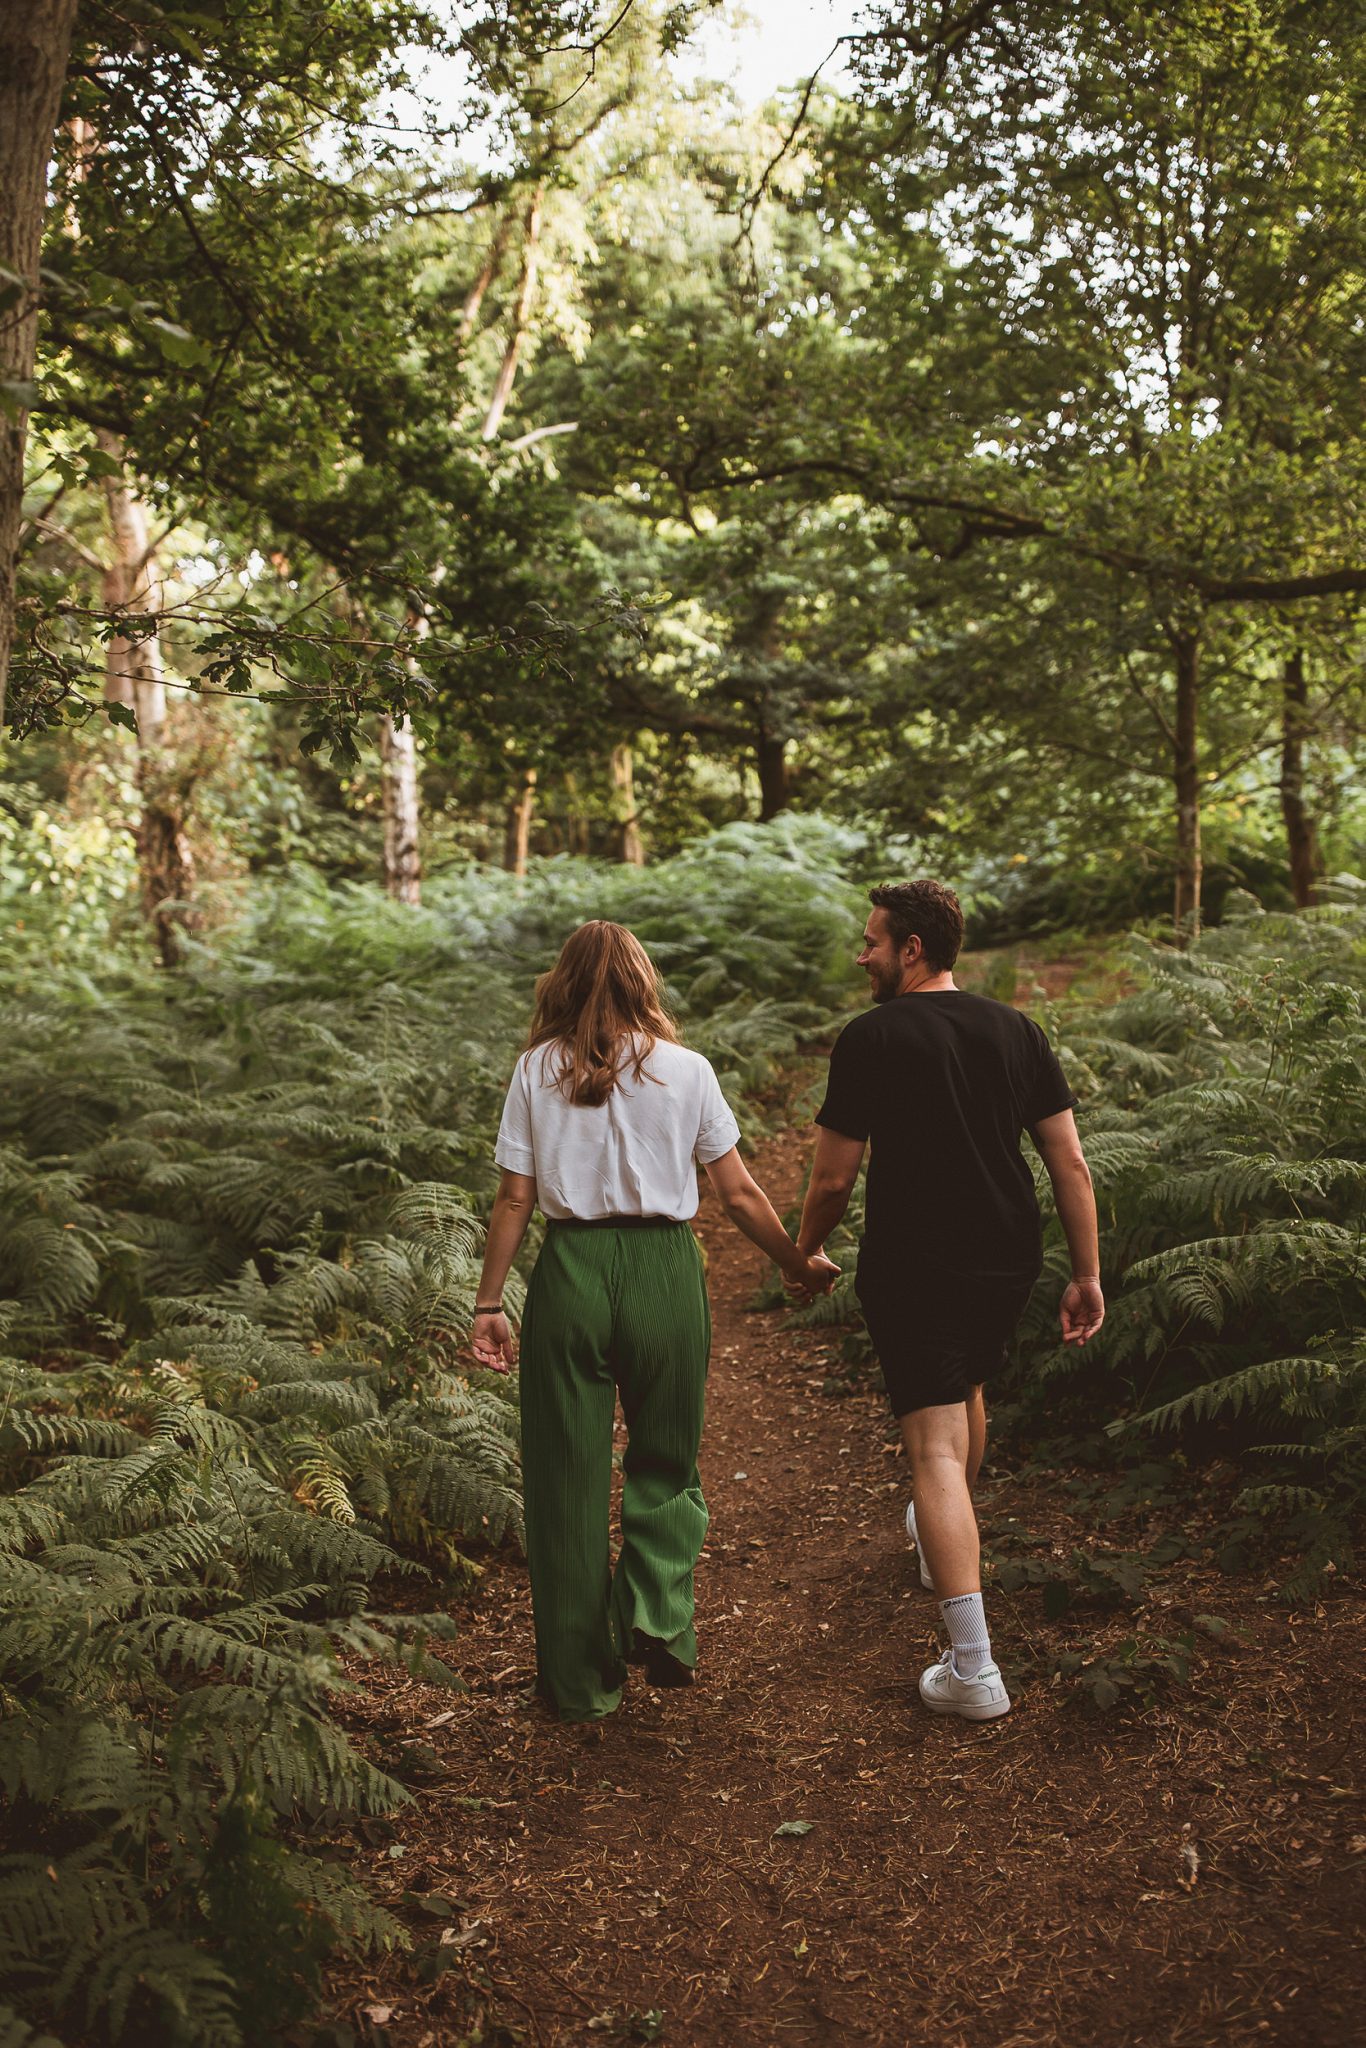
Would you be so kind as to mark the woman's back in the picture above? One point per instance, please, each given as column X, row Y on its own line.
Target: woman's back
column 634, row 1154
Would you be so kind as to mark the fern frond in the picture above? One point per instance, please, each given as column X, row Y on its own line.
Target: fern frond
column 1291, row 1382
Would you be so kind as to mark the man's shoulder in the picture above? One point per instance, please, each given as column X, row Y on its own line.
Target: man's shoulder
column 920, row 1020
column 1003, row 1016
column 861, row 1028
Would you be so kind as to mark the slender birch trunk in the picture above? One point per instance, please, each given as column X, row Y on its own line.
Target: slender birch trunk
column 507, row 373
column 398, row 786
column 493, row 264
column 576, row 823
column 517, row 825
column 134, row 676
column 629, row 847
column 35, row 41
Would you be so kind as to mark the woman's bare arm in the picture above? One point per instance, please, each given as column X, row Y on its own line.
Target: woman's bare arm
column 512, row 1207
column 750, row 1210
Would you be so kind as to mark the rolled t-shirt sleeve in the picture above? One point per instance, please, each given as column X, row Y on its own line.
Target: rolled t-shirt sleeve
column 1049, row 1092
column 515, row 1150
column 717, row 1130
column 847, row 1107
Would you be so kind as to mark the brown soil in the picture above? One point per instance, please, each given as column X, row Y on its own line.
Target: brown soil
column 1186, row 1874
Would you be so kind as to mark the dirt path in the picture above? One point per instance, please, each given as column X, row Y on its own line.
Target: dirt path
column 1192, row 1875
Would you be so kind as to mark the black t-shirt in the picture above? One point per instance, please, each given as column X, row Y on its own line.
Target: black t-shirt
column 944, row 1084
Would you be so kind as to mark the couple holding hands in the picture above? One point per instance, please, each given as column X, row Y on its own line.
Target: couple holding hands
column 606, row 1120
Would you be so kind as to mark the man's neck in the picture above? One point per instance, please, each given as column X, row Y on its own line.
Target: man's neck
column 926, row 981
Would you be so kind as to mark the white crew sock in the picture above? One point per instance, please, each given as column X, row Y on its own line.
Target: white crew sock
column 911, row 1529
column 966, row 1621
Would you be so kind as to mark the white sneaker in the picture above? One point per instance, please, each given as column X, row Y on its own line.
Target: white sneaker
column 982, row 1698
column 926, row 1581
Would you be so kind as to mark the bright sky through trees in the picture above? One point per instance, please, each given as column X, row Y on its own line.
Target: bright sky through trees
column 769, row 44
column 758, row 48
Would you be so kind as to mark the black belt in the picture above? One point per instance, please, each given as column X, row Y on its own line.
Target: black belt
column 613, row 1222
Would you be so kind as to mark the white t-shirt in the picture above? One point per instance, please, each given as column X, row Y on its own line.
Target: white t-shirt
column 634, row 1154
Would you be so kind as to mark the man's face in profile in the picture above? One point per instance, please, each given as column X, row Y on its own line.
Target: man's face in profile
column 882, row 960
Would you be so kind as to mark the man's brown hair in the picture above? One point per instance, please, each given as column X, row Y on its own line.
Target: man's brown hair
column 926, row 911
column 602, row 1008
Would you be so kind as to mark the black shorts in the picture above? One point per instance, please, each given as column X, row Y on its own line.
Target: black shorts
column 939, row 1334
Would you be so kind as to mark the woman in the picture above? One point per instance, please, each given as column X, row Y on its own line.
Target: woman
column 605, row 1118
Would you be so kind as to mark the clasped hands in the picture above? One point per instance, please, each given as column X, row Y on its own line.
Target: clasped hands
column 809, row 1275
column 814, row 1275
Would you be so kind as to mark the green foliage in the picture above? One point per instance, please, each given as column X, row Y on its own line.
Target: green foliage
column 239, row 1242
column 62, row 877
column 1229, row 1091
column 1142, row 1670
column 1225, row 1110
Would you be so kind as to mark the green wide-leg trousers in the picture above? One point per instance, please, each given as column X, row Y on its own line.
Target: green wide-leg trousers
column 612, row 1310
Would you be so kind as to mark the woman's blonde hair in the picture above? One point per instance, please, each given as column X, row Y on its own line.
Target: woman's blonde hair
column 603, row 1004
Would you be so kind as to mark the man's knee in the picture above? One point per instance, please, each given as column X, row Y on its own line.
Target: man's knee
column 938, row 1467
column 929, row 1433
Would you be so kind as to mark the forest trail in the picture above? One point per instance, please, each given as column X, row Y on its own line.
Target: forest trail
column 1191, row 1876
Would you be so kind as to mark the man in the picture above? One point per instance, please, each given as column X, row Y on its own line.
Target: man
column 943, row 1083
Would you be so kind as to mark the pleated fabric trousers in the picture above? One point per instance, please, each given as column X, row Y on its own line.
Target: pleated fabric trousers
column 612, row 1310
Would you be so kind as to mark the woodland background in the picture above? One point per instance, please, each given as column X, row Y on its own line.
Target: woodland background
column 431, row 514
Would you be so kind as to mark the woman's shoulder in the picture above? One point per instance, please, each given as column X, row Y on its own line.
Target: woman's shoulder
column 538, row 1066
column 667, row 1058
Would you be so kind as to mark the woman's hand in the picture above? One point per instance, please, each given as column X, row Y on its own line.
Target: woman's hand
column 493, row 1346
column 814, row 1275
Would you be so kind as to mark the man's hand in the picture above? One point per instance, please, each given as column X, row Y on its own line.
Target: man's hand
column 1081, row 1310
column 493, row 1346
column 816, row 1275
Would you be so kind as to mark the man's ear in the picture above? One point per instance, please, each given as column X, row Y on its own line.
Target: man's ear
column 913, row 950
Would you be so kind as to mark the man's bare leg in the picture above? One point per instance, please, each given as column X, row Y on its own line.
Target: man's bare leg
column 940, row 1447
column 977, row 1443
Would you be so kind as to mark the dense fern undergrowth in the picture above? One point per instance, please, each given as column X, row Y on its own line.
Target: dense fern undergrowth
column 241, row 1451
column 1224, row 1118
column 1226, row 1128
column 239, row 1236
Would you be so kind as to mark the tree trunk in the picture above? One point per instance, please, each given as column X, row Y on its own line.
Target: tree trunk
column 493, row 263
column 134, row 676
column 1302, row 839
column 775, row 791
column 502, row 390
column 770, row 752
column 132, row 663
column 166, row 860
column 575, row 824
column 398, row 785
column 628, row 845
column 1186, row 780
column 34, row 44
column 517, row 832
